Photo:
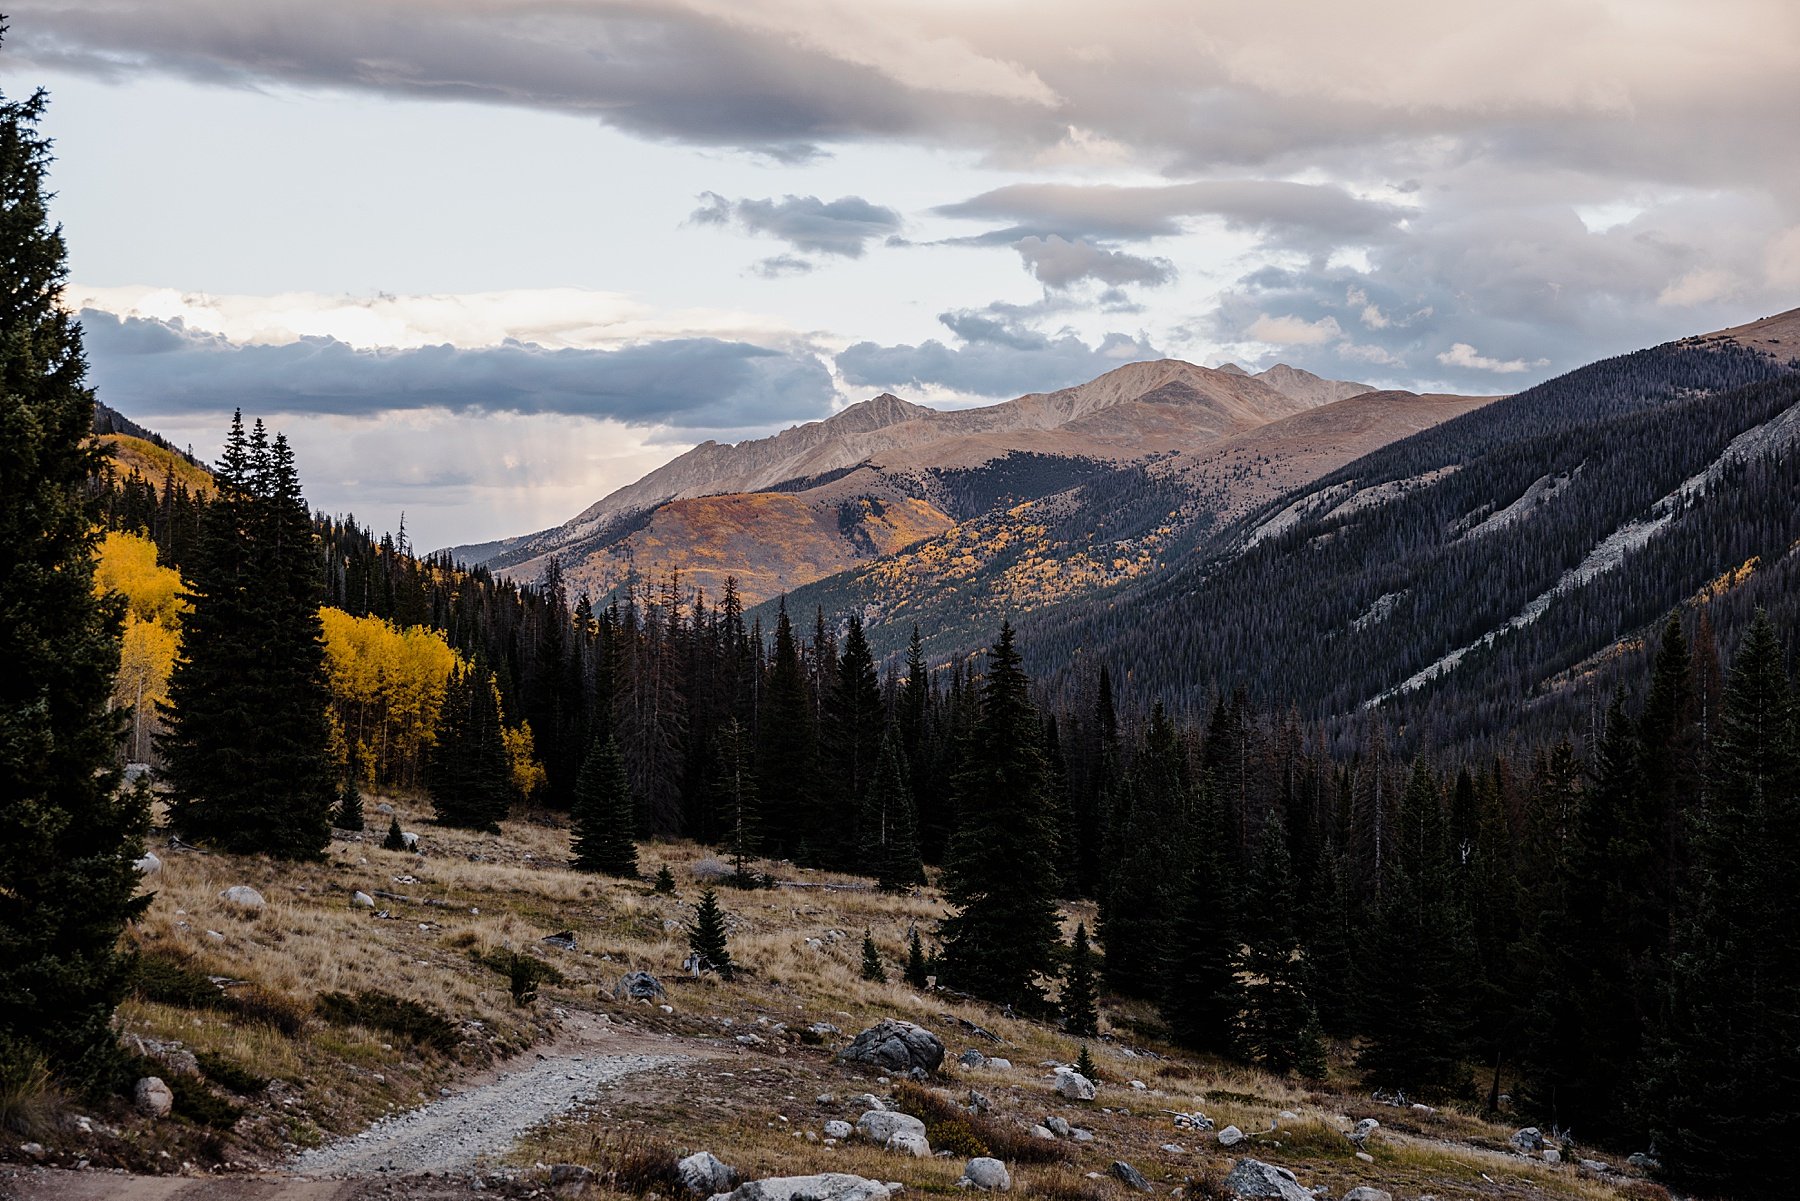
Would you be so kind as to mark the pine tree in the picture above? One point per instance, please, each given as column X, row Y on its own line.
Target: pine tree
column 1084, row 1064
column 467, row 774
column 851, row 734
column 872, row 970
column 1281, row 1030
column 1202, row 997
column 68, row 834
column 707, row 938
column 889, row 825
column 665, row 880
column 349, row 815
column 740, row 808
column 1001, row 876
column 787, row 753
column 1720, row 1092
column 602, row 813
column 1143, row 875
column 1080, row 1007
column 916, row 971
column 396, row 838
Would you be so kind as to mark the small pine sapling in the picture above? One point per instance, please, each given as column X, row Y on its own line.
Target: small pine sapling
column 872, row 970
column 665, row 880
column 915, row 973
column 1084, row 1063
column 706, row 937
column 395, row 840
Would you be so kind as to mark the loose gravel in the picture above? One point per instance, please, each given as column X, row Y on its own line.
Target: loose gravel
column 459, row 1131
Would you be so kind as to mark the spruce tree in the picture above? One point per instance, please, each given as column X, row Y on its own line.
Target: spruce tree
column 68, row 834
column 467, row 773
column 740, row 808
column 872, row 970
column 1281, row 1030
column 1001, row 880
column 1080, row 1007
column 349, row 814
column 1084, row 1064
column 851, row 735
column 665, row 880
column 1202, row 997
column 1144, row 862
column 602, row 813
column 707, row 938
column 916, row 972
column 889, row 826
column 1720, row 1086
column 396, row 838
column 787, row 751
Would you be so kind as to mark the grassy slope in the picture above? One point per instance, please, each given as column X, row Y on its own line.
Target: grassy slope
column 153, row 462
column 753, row 1105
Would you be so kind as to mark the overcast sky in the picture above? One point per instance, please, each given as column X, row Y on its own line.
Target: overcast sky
column 485, row 260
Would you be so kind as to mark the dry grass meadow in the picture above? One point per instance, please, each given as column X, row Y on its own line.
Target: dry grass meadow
column 757, row 1103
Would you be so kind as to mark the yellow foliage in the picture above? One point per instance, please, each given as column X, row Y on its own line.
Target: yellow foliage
column 521, row 752
column 154, row 463
column 387, row 690
column 126, row 564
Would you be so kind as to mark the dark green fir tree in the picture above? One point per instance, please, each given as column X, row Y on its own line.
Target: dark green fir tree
column 1001, row 937
column 665, row 880
column 1080, row 1007
column 396, row 838
column 68, row 833
column 467, row 773
column 916, row 971
column 603, row 813
column 872, row 969
column 349, row 813
column 1281, row 1030
column 707, row 938
column 739, row 806
column 889, row 825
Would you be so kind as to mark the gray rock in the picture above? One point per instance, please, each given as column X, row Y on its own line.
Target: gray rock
column 149, row 865
column 879, row 1125
column 1552, row 1155
column 1643, row 1161
column 1254, row 1178
column 1231, row 1136
column 839, row 1129
column 1174, row 1148
column 243, row 896
column 1073, row 1085
column 1528, row 1140
column 868, row 1101
column 1081, row 1135
column 827, row 1186
column 1362, row 1130
column 410, row 840
column 1365, row 1192
column 1059, row 1125
column 562, row 940
column 987, row 1174
column 638, row 986
column 362, row 900
column 971, row 1058
column 705, row 1174
column 32, row 1150
column 906, row 1142
column 152, row 1097
column 569, row 1173
column 896, row 1046
column 978, row 1102
column 999, row 1064
column 385, row 809
column 1043, row 1132
column 1129, row 1176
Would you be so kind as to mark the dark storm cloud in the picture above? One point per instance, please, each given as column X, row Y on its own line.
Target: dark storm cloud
column 996, row 358
column 844, row 226
column 153, row 367
column 1060, row 263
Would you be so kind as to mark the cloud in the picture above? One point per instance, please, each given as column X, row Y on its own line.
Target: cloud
column 1294, row 331
column 144, row 366
column 1060, row 263
column 996, row 358
column 1463, row 355
column 841, row 227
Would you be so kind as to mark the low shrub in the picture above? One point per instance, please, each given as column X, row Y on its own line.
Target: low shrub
column 200, row 1105
column 524, row 973
column 950, row 1126
column 170, row 978
column 29, row 1098
column 228, row 1073
column 631, row 1163
column 383, row 1011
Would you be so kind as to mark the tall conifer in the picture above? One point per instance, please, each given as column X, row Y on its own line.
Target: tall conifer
column 603, row 813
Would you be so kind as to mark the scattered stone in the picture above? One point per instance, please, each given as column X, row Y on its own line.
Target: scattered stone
column 827, row 1186
column 152, row 1097
column 825, row 1099
column 1138, row 1084
column 1365, row 1157
column 880, row 1125
column 1364, row 1192
column 868, row 1101
column 999, row 1064
column 149, row 865
column 987, row 1174
column 839, row 1129
column 1129, row 1176
column 1073, row 1085
column 705, row 1174
column 1082, row 1135
column 1174, row 1148
column 895, row 1045
column 978, row 1102
column 823, row 1031
column 362, row 900
column 638, row 986
column 1363, row 1129
column 569, row 1173
column 243, row 896
column 1552, row 1155
column 562, row 940
column 1231, row 1136
column 971, row 1058
column 750, row 1040
column 32, row 1150
column 1043, row 1132
column 215, row 936
column 1254, row 1178
column 1596, row 1166
column 385, row 809
column 1059, row 1126
column 905, row 1142
column 1423, row 1110
column 1193, row 1121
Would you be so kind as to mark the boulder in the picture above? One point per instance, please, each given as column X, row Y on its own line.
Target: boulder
column 987, row 1174
column 1231, row 1136
column 978, row 1102
column 1080, row 1135
column 880, row 1125
column 1528, row 1140
column 362, row 900
column 1360, row 1133
column 563, row 940
column 409, row 840
column 638, row 986
column 827, row 1186
column 867, row 1101
column 1552, row 1155
column 1059, row 1126
column 971, row 1058
column 1129, row 1176
column 1043, row 1132
column 906, row 1142
column 1254, row 1178
column 895, row 1046
column 1598, row 1167
column 152, row 1097
column 839, row 1129
column 243, row 896
column 999, row 1064
column 385, row 809
column 1073, row 1085
column 1365, row 1192
column 149, row 865
column 705, row 1174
